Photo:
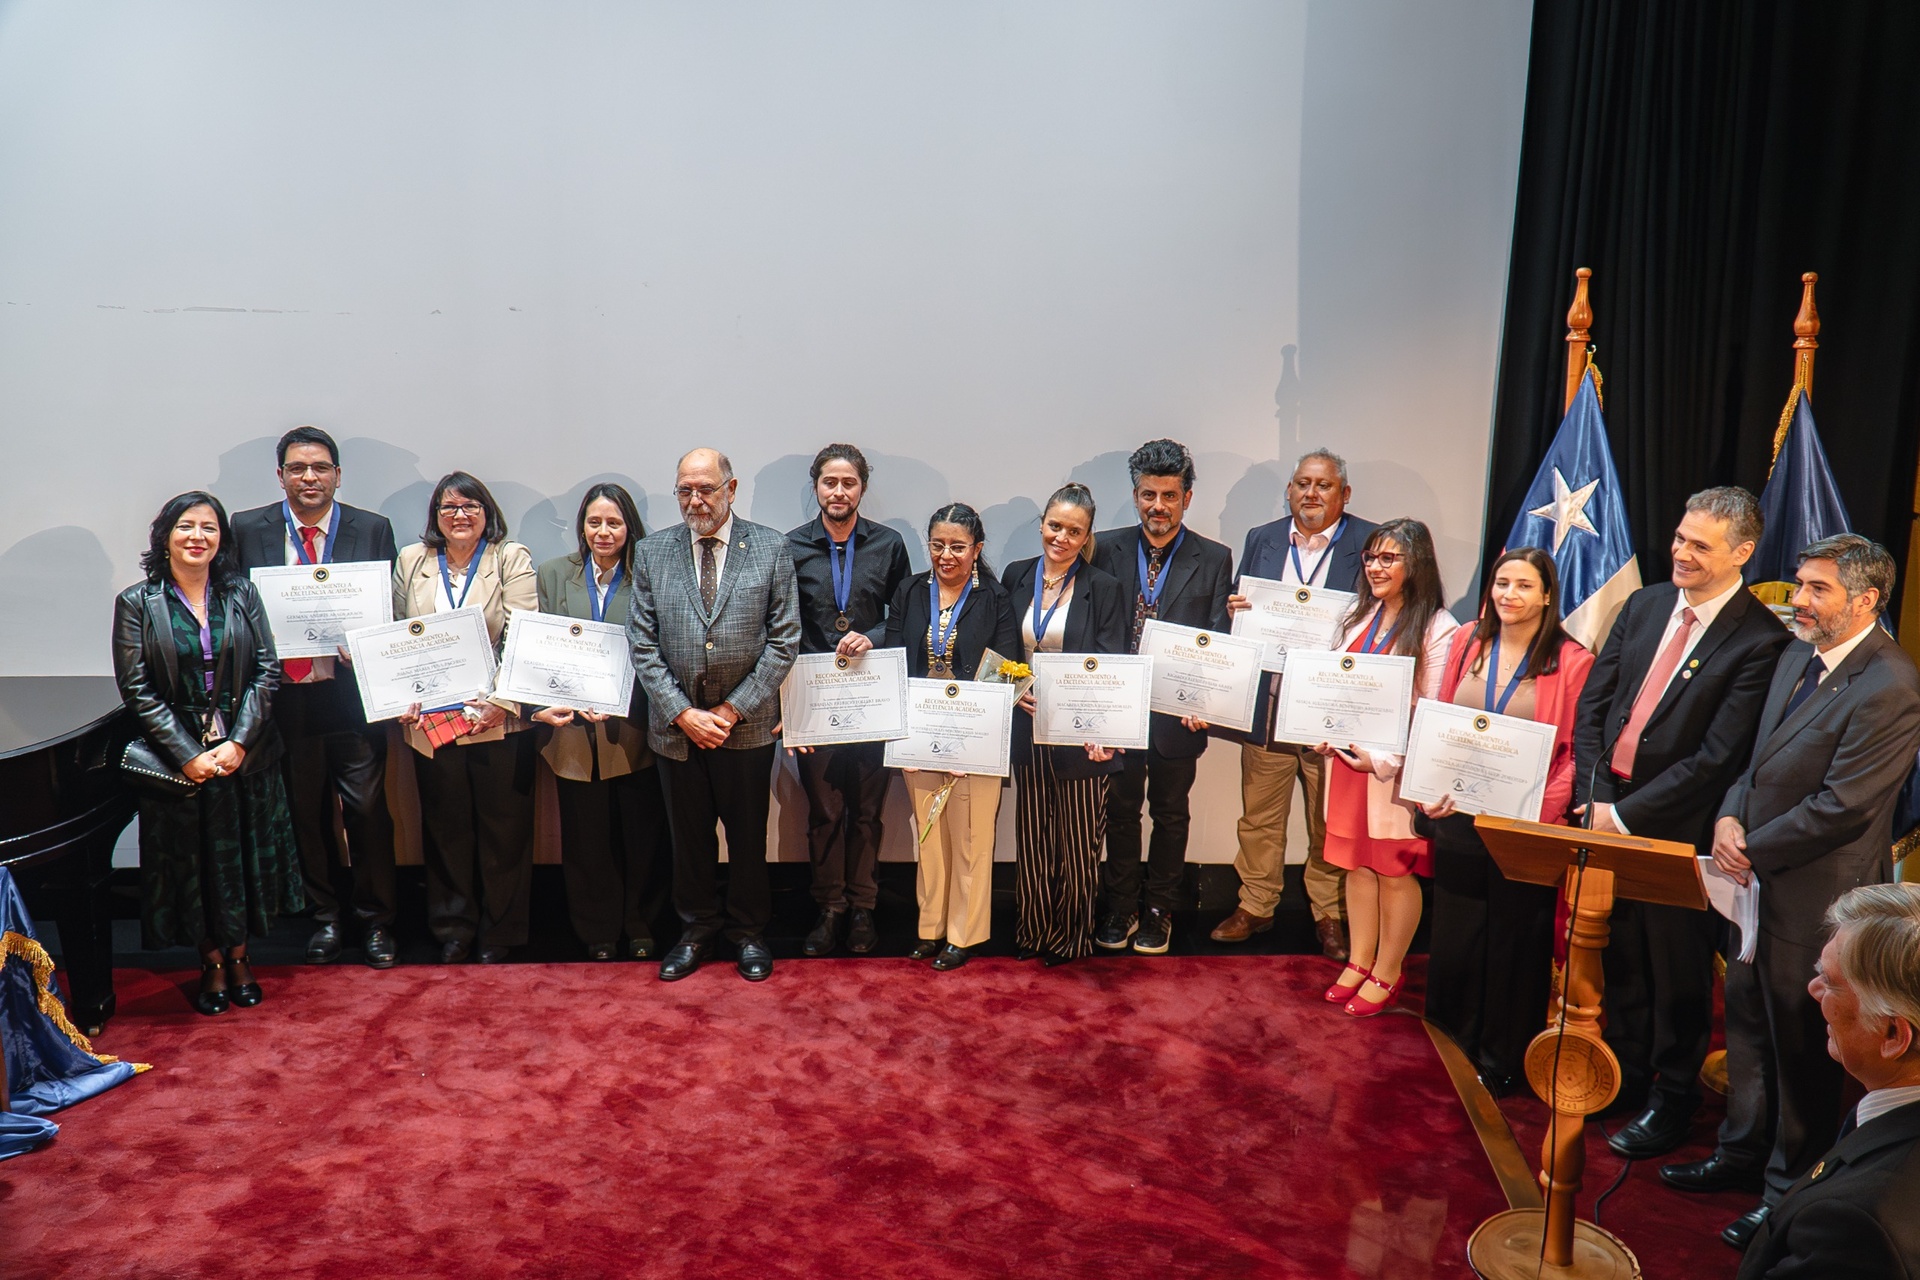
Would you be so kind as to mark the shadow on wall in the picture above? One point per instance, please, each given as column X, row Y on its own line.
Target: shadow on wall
column 551, row 520
column 64, row 564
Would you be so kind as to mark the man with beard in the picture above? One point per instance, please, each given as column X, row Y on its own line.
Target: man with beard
column 715, row 625
column 847, row 568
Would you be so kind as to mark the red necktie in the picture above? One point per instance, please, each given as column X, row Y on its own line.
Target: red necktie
column 1659, row 675
column 298, row 669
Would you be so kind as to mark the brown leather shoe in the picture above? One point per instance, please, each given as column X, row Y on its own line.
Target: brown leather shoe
column 1240, row 926
column 1333, row 938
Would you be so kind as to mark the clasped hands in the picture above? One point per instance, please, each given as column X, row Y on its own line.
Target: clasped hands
column 216, row 762
column 708, row 729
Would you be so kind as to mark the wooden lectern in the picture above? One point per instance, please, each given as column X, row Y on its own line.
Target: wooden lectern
column 1568, row 1064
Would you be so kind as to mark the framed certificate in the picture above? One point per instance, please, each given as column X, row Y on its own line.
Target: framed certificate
column 827, row 698
column 436, row 660
column 1098, row 698
column 552, row 660
column 1488, row 763
column 311, row 607
column 1287, row 615
column 1347, row 699
column 1209, row 674
column 960, row 726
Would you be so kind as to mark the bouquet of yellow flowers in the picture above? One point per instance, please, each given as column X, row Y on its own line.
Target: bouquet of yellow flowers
column 995, row 669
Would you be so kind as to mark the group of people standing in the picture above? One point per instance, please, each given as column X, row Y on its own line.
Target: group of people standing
column 1701, row 719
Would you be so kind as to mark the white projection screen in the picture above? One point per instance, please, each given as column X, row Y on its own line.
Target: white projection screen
column 995, row 244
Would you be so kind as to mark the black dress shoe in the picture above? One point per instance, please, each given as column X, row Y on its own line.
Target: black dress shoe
column 491, row 955
column 600, row 951
column 1053, row 959
column 1741, row 1231
column 826, row 933
column 208, row 1002
column 756, row 962
column 862, row 937
column 640, row 948
column 950, row 957
column 926, row 948
column 1655, row 1131
column 324, row 946
column 244, row 995
column 681, row 960
column 1715, row 1173
column 1025, row 953
column 454, row 952
column 380, row 948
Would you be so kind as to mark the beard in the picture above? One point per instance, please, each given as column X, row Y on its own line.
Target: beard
column 1820, row 632
column 705, row 525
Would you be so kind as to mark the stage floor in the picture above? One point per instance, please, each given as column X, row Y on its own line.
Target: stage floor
column 1120, row 1117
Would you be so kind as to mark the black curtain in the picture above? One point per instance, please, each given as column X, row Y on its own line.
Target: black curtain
column 1699, row 157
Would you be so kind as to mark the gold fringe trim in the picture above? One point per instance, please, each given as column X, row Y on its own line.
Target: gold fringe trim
column 20, row 945
column 1906, row 845
column 1786, row 422
column 1599, row 383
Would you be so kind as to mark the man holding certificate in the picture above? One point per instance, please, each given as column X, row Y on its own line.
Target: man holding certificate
column 1176, row 576
column 330, row 749
column 847, row 569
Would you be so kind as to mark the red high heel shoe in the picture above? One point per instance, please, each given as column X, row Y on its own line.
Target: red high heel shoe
column 1337, row 994
column 1363, row 1008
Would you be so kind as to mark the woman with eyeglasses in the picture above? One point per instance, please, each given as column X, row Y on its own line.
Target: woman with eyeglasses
column 945, row 619
column 474, row 765
column 194, row 661
column 1403, row 610
column 1491, row 952
column 614, row 848
column 1065, row 606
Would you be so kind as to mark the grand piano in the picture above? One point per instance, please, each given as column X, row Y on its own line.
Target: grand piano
column 59, row 822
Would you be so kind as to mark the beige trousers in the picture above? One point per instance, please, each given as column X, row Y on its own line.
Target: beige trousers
column 955, row 882
column 1266, row 801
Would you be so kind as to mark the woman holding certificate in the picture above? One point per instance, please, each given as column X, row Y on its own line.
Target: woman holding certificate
column 614, row 847
column 945, row 619
column 475, row 767
column 1370, row 832
column 1066, row 606
column 1492, row 950
column 194, row 661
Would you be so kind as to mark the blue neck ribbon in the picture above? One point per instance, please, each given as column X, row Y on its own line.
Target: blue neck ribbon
column 1373, row 628
column 1493, row 673
column 1151, row 594
column 300, row 544
column 598, row 601
column 842, row 586
column 473, row 571
column 943, row 637
column 1306, row 576
column 1040, row 624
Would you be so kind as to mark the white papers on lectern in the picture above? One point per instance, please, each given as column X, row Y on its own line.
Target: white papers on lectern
column 1347, row 699
column 1099, row 698
column 1488, row 763
column 1211, row 675
column 553, row 660
column 436, row 660
column 1287, row 615
column 959, row 726
column 311, row 607
column 827, row 698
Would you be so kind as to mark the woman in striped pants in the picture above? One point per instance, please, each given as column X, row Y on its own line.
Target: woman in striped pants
column 1067, row 606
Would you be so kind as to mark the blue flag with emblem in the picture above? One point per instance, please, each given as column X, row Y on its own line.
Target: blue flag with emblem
column 1577, row 512
column 1801, row 505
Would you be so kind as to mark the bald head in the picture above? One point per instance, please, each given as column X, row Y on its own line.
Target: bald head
column 709, row 459
column 704, row 487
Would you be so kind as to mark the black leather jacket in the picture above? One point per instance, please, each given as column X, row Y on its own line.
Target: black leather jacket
column 147, row 669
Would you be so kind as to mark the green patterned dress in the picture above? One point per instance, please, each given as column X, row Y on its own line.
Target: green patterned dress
column 220, row 864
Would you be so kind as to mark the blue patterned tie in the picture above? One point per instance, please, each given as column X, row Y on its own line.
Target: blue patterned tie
column 1809, row 681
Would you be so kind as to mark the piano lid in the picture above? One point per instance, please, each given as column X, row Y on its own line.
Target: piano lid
column 42, row 711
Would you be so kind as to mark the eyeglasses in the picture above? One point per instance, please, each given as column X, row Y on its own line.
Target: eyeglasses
column 1385, row 559
column 462, row 509
column 318, row 470
column 937, row 549
column 702, row 491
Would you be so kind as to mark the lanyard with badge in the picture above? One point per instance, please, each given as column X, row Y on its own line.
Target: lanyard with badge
column 473, row 571
column 1150, row 593
column 1306, row 577
column 842, row 585
column 300, row 544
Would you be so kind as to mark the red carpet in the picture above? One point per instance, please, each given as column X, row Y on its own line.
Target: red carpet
column 1186, row 1117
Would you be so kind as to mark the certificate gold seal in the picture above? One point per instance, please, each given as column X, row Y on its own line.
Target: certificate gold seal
column 416, row 628
column 321, row 574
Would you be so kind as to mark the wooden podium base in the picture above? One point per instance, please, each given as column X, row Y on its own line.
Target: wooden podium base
column 1507, row 1247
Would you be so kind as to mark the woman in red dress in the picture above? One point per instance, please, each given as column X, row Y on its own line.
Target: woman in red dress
column 1369, row 827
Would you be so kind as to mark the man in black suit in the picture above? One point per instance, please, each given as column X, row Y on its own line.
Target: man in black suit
column 1812, row 817
column 1663, row 728
column 1852, row 1217
column 1316, row 545
column 330, row 748
column 1175, row 575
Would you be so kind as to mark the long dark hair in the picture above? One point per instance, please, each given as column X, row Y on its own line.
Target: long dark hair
column 467, row 487
column 1421, row 595
column 967, row 518
column 225, row 567
column 1543, row 655
column 1074, row 494
column 616, row 494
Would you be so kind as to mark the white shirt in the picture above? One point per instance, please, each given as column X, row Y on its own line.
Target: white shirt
column 725, row 534
column 1838, row 654
column 600, row 582
column 322, row 667
column 1703, row 616
column 1310, row 546
column 1880, row 1101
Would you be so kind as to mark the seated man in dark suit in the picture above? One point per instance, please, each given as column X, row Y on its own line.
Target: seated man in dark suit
column 1857, row 1212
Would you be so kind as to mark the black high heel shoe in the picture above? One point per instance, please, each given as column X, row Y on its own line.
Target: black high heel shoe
column 246, row 994
column 210, row 1002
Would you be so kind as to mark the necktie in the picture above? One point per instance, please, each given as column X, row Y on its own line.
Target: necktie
column 298, row 669
column 1659, row 675
column 1809, row 681
column 1141, row 612
column 709, row 575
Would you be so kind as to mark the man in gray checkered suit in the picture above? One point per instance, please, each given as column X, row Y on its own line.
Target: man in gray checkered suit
column 715, row 625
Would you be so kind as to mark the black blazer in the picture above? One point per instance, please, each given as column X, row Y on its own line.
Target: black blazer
column 1198, row 578
column 1097, row 619
column 1265, row 556
column 987, row 622
column 1852, row 1215
column 147, row 668
column 1701, row 733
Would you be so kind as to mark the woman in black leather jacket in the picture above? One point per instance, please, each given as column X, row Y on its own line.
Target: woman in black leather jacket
column 195, row 664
